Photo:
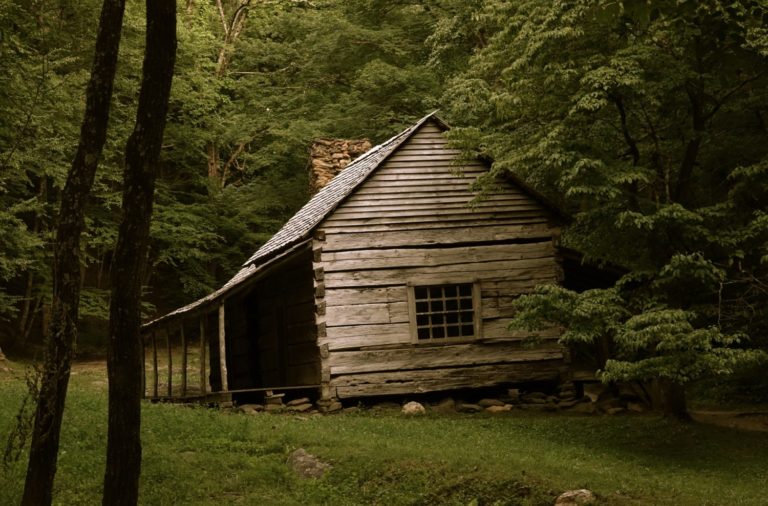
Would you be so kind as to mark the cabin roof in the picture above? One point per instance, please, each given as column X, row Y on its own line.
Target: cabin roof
column 297, row 231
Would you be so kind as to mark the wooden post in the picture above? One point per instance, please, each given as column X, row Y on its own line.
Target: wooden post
column 143, row 366
column 203, row 379
column 170, row 362
column 155, row 392
column 183, row 362
column 223, row 348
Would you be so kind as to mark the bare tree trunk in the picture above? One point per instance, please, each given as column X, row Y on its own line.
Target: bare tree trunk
column 232, row 27
column 124, row 357
column 66, row 266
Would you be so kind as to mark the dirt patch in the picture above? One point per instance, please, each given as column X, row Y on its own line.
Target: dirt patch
column 744, row 420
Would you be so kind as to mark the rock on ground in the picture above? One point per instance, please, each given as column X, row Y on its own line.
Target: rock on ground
column 307, row 465
column 581, row 496
column 413, row 408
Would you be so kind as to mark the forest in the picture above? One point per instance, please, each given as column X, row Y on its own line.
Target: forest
column 645, row 122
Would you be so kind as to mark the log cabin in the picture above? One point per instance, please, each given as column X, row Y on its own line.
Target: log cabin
column 395, row 278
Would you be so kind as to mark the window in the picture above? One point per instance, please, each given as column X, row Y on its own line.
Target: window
column 446, row 311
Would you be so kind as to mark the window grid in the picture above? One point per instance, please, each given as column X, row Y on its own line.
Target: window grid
column 444, row 311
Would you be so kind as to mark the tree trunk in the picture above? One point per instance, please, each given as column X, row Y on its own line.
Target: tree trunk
column 124, row 355
column 66, row 266
column 669, row 398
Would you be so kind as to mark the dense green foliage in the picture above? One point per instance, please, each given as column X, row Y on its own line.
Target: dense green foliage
column 203, row 456
column 294, row 71
column 646, row 121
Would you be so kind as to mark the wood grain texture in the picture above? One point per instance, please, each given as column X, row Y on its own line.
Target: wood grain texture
column 432, row 357
column 431, row 380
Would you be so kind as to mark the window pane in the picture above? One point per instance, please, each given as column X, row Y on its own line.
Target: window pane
column 444, row 311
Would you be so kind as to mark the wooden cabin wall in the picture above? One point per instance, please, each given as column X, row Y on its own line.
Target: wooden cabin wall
column 410, row 222
column 283, row 321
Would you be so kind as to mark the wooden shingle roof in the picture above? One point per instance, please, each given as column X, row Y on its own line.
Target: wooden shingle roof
column 297, row 230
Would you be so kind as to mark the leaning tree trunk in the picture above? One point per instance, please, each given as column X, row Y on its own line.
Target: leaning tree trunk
column 66, row 266
column 124, row 356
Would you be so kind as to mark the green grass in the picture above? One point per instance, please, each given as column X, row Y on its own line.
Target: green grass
column 202, row 456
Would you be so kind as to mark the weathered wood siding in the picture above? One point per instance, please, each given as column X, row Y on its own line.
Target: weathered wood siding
column 411, row 222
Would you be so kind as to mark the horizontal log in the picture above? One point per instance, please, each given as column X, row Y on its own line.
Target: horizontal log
column 518, row 269
column 422, row 257
column 458, row 202
column 426, row 169
column 498, row 328
column 353, row 296
column 432, row 357
column 381, row 313
column 426, row 178
column 432, row 380
column 372, row 194
column 356, row 336
column 410, row 214
column 415, row 149
column 392, row 225
column 457, row 235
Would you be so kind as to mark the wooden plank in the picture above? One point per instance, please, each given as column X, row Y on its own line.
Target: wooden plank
column 433, row 216
column 374, row 314
column 143, row 367
column 538, row 268
column 497, row 328
column 155, row 379
column 426, row 169
column 434, row 213
column 170, row 362
column 432, row 380
column 446, row 355
column 223, row 348
column 373, row 194
column 203, row 359
column 183, row 361
column 456, row 235
column 414, row 149
column 397, row 227
column 418, row 176
column 356, row 336
column 420, row 257
column 436, row 157
column 418, row 185
column 462, row 203
column 354, row 296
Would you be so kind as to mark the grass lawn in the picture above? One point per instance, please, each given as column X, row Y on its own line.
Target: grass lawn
column 203, row 456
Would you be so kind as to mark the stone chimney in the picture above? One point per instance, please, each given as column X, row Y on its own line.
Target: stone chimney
column 327, row 157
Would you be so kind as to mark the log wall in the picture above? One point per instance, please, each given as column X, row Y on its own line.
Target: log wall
column 412, row 222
